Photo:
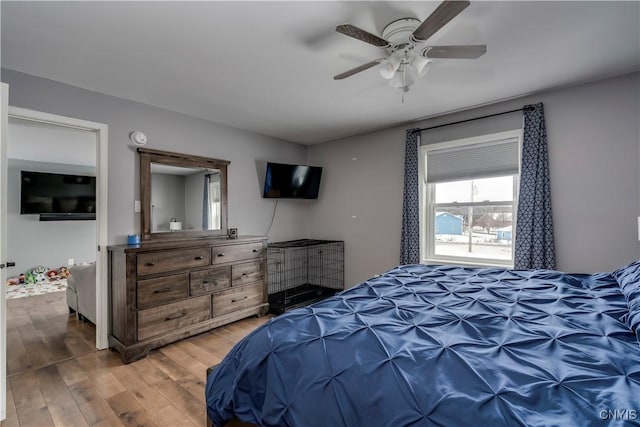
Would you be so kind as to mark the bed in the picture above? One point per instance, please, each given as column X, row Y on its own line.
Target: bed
column 444, row 346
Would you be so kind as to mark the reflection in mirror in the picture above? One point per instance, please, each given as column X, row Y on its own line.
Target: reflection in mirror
column 211, row 217
column 182, row 195
column 184, row 198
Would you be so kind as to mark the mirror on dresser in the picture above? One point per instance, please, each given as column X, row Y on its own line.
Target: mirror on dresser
column 182, row 195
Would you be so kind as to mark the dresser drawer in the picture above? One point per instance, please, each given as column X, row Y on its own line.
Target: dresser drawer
column 230, row 253
column 151, row 292
column 206, row 281
column 167, row 318
column 247, row 272
column 233, row 299
column 163, row 261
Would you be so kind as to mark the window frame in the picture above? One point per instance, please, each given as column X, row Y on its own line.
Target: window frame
column 428, row 207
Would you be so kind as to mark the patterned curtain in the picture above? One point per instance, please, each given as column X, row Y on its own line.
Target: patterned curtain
column 534, row 247
column 410, row 239
column 205, row 202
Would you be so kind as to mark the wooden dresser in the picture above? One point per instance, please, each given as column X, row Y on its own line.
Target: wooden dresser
column 162, row 292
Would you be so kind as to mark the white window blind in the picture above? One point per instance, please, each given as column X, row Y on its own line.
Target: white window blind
column 483, row 160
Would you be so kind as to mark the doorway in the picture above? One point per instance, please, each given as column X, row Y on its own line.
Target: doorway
column 99, row 137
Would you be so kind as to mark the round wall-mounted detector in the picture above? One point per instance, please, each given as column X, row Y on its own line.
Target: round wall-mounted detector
column 138, row 137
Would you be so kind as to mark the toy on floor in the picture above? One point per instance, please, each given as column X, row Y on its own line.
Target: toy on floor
column 53, row 275
column 40, row 273
column 36, row 275
column 64, row 272
column 29, row 277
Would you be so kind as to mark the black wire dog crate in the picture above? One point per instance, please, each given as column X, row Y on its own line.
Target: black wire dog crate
column 300, row 272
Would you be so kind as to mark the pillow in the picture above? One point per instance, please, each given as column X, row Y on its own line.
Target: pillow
column 628, row 278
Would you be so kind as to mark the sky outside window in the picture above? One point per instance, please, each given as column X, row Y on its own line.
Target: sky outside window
column 486, row 189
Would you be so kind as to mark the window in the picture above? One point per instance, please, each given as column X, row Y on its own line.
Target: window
column 469, row 195
column 214, row 200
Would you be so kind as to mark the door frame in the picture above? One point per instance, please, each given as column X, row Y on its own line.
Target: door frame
column 102, row 141
column 4, row 123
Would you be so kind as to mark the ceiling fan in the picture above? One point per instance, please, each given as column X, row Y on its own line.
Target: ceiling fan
column 403, row 39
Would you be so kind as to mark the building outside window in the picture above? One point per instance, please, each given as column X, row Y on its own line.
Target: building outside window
column 469, row 192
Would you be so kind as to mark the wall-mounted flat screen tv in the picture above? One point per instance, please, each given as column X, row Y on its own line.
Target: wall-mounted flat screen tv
column 292, row 181
column 55, row 193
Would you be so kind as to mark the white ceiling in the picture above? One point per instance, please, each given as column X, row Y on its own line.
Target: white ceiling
column 268, row 67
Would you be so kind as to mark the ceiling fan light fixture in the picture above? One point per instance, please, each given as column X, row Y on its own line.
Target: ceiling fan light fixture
column 403, row 78
column 397, row 81
column 410, row 75
column 420, row 64
column 389, row 66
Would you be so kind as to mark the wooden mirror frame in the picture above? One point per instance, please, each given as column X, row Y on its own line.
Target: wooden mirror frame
column 148, row 156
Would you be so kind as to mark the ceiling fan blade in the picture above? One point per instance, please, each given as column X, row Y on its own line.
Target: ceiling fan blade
column 362, row 35
column 455, row 52
column 356, row 70
column 438, row 19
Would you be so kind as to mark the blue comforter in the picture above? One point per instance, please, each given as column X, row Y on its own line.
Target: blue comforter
column 440, row 346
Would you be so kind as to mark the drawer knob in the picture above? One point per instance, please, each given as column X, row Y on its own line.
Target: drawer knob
column 240, row 299
column 255, row 250
column 162, row 291
column 199, row 257
column 176, row 316
column 150, row 264
column 220, row 254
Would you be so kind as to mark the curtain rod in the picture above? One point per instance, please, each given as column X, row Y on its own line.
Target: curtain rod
column 475, row 118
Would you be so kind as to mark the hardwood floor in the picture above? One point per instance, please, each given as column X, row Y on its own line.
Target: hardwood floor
column 56, row 377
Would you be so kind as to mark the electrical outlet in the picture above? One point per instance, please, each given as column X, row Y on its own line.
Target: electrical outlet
column 136, row 206
column 70, row 262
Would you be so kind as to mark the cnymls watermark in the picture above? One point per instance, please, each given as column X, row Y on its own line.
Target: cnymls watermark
column 618, row 414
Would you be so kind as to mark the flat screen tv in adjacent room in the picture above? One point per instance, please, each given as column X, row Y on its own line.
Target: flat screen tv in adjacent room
column 292, row 181
column 56, row 196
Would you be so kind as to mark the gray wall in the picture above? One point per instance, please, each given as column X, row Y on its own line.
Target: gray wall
column 168, row 200
column 31, row 242
column 194, row 190
column 594, row 154
column 593, row 145
column 169, row 131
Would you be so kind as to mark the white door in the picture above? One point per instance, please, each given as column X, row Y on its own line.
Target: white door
column 4, row 123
